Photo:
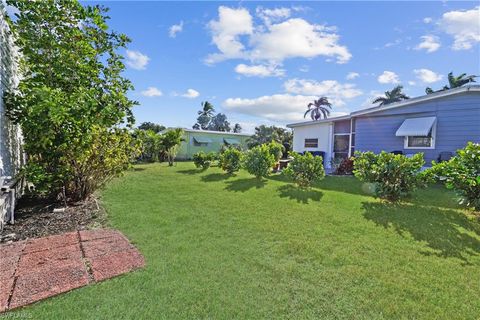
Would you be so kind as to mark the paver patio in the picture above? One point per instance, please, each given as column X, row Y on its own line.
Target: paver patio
column 36, row 269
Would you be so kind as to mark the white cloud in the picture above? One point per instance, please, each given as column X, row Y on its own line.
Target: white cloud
column 174, row 29
column 259, row 70
column 137, row 60
column 273, row 15
column 429, row 43
column 304, row 68
column 427, row 76
column 191, row 94
column 336, row 92
column 464, row 26
column 411, row 83
column 272, row 42
column 388, row 77
column 152, row 92
column 427, row 20
column 352, row 75
column 226, row 30
column 277, row 107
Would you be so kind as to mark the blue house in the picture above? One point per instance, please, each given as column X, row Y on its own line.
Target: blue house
column 435, row 124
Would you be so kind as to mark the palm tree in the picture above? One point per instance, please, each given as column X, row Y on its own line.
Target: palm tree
column 395, row 95
column 454, row 82
column 319, row 108
column 207, row 109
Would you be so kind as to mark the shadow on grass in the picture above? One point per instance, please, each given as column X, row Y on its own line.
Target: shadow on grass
column 301, row 195
column 190, row 171
column 449, row 233
column 215, row 177
column 243, row 185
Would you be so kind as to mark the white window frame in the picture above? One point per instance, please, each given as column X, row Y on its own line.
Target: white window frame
column 305, row 142
column 349, row 143
column 432, row 139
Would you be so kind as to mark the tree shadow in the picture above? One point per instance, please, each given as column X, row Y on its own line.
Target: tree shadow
column 301, row 195
column 215, row 177
column 449, row 233
column 190, row 171
column 243, row 185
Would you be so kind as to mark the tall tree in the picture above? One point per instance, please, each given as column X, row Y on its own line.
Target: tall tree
column 170, row 142
column 237, row 128
column 266, row 134
column 454, row 82
column 395, row 95
column 219, row 123
column 319, row 108
column 205, row 115
column 72, row 97
column 156, row 128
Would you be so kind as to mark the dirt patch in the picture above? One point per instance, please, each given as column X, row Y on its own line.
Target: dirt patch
column 34, row 218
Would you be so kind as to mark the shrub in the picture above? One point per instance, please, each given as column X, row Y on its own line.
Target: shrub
column 394, row 176
column 170, row 143
column 345, row 167
column 259, row 161
column 462, row 174
column 230, row 160
column 305, row 169
column 200, row 160
column 276, row 150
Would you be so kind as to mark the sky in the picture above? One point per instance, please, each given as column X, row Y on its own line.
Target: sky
column 263, row 62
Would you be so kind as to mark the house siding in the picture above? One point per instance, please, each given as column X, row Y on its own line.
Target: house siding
column 458, row 121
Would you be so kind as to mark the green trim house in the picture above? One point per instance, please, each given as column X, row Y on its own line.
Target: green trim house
column 208, row 141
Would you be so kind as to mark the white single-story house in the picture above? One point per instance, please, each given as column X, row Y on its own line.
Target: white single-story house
column 435, row 124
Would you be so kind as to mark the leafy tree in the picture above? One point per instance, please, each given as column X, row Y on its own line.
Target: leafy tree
column 462, row 174
column 237, row 128
column 395, row 95
column 394, row 175
column 205, row 116
column 305, row 169
column 231, row 160
column 319, row 108
column 264, row 134
column 258, row 161
column 170, row 142
column 219, row 123
column 156, row 128
column 454, row 82
column 150, row 145
column 71, row 98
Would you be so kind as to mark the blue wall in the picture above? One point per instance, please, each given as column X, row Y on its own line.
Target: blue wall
column 458, row 121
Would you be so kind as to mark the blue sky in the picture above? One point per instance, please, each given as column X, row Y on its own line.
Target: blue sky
column 262, row 62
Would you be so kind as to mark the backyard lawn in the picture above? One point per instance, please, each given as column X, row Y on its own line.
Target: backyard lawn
column 232, row 247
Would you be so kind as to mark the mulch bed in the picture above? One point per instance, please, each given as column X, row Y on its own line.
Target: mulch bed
column 35, row 218
column 35, row 269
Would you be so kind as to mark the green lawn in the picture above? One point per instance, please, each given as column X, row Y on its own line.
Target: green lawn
column 221, row 247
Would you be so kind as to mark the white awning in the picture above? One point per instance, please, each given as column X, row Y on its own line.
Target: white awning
column 416, row 127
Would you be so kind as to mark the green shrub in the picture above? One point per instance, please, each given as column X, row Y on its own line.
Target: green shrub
column 462, row 174
column 305, row 169
column 201, row 160
column 394, row 176
column 259, row 161
column 230, row 160
column 276, row 150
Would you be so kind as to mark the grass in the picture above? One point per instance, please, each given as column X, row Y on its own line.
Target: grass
column 226, row 247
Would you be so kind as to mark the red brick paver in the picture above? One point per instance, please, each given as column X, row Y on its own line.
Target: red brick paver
column 36, row 269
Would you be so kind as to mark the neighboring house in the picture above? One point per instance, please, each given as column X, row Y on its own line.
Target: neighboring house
column 208, row 141
column 11, row 154
column 440, row 122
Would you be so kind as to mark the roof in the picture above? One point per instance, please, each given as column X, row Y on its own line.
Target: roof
column 404, row 103
column 211, row 132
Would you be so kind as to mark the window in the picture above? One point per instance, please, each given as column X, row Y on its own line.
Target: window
column 421, row 142
column 341, row 145
column 311, row 143
column 199, row 144
column 201, row 141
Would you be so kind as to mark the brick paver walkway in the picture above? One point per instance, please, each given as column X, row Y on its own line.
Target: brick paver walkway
column 36, row 269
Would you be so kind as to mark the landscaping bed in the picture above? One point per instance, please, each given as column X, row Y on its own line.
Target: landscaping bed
column 35, row 218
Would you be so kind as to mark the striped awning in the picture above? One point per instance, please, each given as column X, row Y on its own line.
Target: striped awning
column 419, row 127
